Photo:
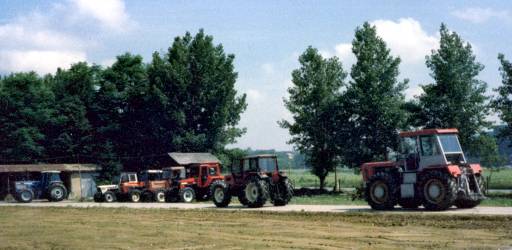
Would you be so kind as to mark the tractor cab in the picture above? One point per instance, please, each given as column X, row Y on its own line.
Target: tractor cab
column 128, row 181
column 263, row 166
column 174, row 175
column 429, row 148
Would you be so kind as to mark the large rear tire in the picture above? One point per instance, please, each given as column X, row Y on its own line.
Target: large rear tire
column 382, row 191
column 284, row 193
column 57, row 192
column 187, row 194
column 255, row 192
column 220, row 194
column 438, row 190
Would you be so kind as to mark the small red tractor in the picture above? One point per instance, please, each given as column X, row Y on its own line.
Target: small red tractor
column 254, row 179
column 155, row 187
column 192, row 182
column 431, row 170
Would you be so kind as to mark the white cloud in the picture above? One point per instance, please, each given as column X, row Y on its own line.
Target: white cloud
column 407, row 39
column 110, row 13
column 26, row 44
column 40, row 61
column 344, row 52
column 254, row 95
column 481, row 15
column 16, row 35
column 44, row 41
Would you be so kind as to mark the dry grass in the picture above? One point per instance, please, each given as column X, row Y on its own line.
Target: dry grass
column 106, row 228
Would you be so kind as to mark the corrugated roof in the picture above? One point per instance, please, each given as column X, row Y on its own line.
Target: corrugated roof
column 49, row 167
column 193, row 158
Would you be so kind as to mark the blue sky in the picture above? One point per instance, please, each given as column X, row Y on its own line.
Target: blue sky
column 265, row 36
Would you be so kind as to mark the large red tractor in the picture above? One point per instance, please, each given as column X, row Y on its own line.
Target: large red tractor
column 254, row 179
column 431, row 170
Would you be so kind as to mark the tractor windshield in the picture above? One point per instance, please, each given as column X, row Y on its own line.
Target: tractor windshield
column 450, row 143
column 267, row 164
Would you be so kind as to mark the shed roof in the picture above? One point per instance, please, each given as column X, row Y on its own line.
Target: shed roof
column 49, row 167
column 193, row 158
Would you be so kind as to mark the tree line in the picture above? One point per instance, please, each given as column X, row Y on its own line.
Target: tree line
column 348, row 121
column 125, row 115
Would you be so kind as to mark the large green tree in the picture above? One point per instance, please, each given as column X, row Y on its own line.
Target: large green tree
column 374, row 99
column 26, row 107
column 316, row 88
column 195, row 81
column 457, row 97
column 503, row 102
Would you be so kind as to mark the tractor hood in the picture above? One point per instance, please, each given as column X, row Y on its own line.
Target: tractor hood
column 105, row 188
column 20, row 185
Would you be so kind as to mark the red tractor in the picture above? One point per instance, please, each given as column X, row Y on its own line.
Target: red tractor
column 192, row 182
column 254, row 180
column 431, row 170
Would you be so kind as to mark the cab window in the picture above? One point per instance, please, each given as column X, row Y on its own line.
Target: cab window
column 124, row 178
column 235, row 167
column 133, row 177
column 212, row 171
column 429, row 146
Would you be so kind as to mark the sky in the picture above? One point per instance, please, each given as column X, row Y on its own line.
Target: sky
column 266, row 38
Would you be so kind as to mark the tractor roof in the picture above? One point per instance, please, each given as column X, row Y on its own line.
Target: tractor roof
column 260, row 156
column 193, row 158
column 429, row 132
column 152, row 171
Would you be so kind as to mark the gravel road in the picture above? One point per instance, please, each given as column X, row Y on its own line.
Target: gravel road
column 289, row 208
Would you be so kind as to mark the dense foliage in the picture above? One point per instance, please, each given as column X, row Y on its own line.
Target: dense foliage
column 127, row 114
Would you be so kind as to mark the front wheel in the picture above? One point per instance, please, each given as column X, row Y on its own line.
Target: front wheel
column 25, row 196
column 284, row 193
column 470, row 202
column 438, row 190
column 135, row 195
column 160, row 196
column 382, row 191
column 220, row 194
column 187, row 194
column 109, row 196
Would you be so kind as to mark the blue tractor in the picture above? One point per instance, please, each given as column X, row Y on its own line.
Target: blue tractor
column 49, row 187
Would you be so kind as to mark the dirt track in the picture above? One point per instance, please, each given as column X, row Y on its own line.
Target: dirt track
column 289, row 208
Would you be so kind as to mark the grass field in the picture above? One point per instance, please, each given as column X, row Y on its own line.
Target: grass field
column 501, row 179
column 73, row 228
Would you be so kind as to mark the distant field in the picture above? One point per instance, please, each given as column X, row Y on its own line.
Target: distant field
column 74, row 228
column 501, row 179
